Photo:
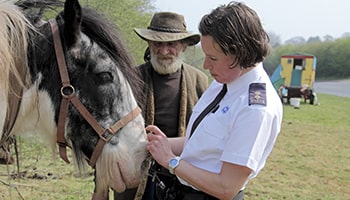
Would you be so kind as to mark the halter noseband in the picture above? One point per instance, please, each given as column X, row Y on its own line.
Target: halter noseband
column 68, row 95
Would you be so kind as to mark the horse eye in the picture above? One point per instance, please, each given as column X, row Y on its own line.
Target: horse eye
column 104, row 77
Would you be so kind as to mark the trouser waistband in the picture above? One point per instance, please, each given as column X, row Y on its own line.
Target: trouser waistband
column 190, row 194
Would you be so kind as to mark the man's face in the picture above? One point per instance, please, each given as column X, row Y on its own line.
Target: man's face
column 166, row 57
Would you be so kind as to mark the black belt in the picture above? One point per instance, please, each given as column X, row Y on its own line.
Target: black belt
column 190, row 194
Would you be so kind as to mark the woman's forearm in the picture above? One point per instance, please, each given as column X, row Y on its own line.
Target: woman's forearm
column 177, row 144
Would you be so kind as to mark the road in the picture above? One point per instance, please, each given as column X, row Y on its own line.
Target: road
column 338, row 88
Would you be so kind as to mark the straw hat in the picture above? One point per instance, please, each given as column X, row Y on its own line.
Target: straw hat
column 167, row 27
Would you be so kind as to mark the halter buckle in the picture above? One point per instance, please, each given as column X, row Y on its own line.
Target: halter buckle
column 107, row 135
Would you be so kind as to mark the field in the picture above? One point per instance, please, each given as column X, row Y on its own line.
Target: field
column 311, row 160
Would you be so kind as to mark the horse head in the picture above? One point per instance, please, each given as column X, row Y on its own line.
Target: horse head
column 102, row 78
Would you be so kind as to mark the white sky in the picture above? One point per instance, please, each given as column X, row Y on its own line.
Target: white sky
column 285, row 18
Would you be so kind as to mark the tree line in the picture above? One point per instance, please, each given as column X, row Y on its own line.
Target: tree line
column 332, row 55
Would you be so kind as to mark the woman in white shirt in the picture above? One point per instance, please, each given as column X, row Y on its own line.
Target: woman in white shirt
column 231, row 143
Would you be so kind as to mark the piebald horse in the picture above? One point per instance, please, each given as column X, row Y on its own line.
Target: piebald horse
column 71, row 81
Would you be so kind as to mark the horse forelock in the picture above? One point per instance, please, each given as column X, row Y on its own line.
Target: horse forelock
column 107, row 35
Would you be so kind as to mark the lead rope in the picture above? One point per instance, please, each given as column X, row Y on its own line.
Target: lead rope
column 142, row 186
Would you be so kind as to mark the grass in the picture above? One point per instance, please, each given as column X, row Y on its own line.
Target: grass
column 311, row 160
column 42, row 176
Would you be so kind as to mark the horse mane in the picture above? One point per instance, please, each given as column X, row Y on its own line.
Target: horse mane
column 14, row 30
column 14, row 34
column 106, row 34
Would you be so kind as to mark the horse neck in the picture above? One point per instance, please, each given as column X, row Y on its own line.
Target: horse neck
column 36, row 115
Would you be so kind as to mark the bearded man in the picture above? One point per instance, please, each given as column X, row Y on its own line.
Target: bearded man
column 171, row 87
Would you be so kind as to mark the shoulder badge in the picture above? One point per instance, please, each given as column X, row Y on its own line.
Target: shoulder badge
column 257, row 94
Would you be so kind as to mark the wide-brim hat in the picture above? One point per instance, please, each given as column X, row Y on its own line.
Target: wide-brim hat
column 167, row 27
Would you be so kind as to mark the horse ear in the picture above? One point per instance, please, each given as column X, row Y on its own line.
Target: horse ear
column 72, row 18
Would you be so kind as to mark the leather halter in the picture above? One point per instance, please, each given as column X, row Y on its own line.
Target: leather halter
column 69, row 96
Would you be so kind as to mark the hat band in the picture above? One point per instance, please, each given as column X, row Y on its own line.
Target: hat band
column 163, row 29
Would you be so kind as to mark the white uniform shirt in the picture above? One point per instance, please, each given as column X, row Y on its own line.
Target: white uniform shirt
column 236, row 132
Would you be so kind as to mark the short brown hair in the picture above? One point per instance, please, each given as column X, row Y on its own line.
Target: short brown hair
column 238, row 31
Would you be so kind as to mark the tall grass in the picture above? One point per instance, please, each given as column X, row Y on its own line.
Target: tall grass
column 311, row 160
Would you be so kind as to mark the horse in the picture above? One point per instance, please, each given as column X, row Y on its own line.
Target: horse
column 75, row 87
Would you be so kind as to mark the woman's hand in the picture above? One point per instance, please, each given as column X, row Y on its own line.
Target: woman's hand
column 159, row 146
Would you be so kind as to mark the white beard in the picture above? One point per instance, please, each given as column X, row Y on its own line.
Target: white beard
column 162, row 66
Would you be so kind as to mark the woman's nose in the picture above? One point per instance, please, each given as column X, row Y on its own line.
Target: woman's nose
column 206, row 64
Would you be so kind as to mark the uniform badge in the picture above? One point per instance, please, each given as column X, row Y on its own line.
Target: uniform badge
column 257, row 94
column 225, row 109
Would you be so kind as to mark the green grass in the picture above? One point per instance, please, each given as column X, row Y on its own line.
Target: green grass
column 311, row 160
column 42, row 176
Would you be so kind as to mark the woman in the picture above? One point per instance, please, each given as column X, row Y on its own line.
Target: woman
column 230, row 145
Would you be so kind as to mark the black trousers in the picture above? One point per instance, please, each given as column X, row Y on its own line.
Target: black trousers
column 191, row 194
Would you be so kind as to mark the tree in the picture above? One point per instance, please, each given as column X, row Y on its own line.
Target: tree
column 296, row 40
column 313, row 39
column 345, row 35
column 332, row 57
column 275, row 40
column 328, row 38
column 127, row 15
column 194, row 56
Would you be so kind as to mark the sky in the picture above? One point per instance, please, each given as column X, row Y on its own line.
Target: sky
column 285, row 18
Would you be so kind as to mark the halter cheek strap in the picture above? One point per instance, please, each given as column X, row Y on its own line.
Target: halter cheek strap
column 69, row 96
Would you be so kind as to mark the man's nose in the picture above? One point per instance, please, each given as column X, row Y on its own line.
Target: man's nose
column 164, row 49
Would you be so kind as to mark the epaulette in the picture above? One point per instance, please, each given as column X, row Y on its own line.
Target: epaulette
column 257, row 93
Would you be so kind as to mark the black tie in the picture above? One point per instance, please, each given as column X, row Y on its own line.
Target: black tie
column 209, row 108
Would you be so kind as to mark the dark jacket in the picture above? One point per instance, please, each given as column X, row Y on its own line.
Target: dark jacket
column 193, row 83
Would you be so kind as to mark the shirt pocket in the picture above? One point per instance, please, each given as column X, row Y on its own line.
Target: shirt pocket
column 211, row 136
column 214, row 128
